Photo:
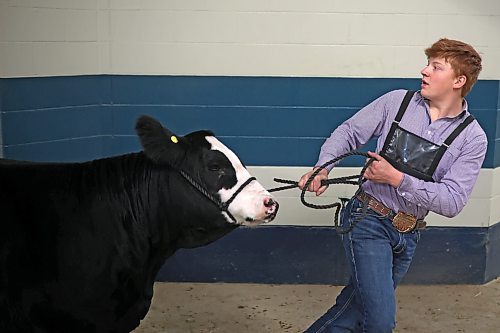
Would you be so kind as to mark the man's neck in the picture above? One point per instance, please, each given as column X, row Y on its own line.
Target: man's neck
column 446, row 108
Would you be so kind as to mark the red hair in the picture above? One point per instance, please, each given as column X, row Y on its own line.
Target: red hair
column 462, row 57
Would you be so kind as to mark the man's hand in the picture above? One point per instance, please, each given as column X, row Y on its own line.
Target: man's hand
column 315, row 185
column 381, row 171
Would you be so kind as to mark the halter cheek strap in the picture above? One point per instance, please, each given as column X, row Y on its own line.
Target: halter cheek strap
column 223, row 206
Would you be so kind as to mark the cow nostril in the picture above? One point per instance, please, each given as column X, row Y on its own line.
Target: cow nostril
column 268, row 202
column 276, row 207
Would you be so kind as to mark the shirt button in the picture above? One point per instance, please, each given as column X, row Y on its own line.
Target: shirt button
column 429, row 132
column 403, row 194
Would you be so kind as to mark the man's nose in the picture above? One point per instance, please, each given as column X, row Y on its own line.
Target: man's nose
column 424, row 71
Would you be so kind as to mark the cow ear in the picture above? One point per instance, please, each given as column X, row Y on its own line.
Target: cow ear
column 159, row 143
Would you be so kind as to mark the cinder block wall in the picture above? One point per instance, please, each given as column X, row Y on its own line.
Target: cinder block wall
column 237, row 37
column 75, row 74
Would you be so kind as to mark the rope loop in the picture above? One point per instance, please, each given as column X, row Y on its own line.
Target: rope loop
column 351, row 180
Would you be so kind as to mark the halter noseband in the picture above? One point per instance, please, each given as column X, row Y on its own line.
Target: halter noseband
column 223, row 206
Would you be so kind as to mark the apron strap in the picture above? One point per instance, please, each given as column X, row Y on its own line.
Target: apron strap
column 402, row 109
column 404, row 105
column 448, row 142
column 458, row 130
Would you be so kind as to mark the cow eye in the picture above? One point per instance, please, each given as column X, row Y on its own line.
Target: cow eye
column 214, row 167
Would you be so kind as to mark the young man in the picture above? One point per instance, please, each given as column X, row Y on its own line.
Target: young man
column 430, row 153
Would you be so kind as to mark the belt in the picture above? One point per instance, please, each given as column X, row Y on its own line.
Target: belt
column 402, row 221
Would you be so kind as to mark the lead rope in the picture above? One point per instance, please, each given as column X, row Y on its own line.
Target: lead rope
column 339, row 180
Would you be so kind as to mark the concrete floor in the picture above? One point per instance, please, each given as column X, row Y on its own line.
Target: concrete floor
column 257, row 308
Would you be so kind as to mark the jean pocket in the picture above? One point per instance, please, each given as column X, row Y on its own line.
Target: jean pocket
column 399, row 244
column 345, row 218
column 347, row 212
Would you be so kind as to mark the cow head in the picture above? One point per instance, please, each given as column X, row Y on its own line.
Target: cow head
column 212, row 165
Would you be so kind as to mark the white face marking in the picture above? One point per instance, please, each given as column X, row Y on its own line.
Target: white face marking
column 241, row 173
column 248, row 207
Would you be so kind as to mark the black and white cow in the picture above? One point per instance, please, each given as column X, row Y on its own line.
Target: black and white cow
column 81, row 243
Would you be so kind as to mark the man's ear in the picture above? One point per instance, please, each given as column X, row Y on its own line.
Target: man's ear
column 159, row 143
column 459, row 81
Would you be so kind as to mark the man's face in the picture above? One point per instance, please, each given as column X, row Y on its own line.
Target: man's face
column 438, row 79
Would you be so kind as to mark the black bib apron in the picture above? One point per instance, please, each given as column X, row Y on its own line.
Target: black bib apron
column 412, row 154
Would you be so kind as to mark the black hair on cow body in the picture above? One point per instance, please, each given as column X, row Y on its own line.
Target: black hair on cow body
column 81, row 243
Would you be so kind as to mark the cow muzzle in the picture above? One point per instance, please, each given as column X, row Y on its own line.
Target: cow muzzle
column 272, row 208
column 270, row 205
column 254, row 209
column 251, row 206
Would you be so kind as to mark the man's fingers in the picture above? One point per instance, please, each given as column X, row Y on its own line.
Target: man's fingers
column 315, row 184
column 302, row 182
column 368, row 173
column 321, row 190
column 376, row 156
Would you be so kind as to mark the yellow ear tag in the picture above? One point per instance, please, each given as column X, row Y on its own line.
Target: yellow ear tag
column 173, row 138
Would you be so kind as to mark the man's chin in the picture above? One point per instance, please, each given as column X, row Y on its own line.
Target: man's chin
column 425, row 94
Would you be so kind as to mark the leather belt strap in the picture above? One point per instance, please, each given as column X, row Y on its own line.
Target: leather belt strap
column 402, row 221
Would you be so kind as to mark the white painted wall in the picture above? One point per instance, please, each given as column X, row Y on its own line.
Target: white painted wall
column 335, row 38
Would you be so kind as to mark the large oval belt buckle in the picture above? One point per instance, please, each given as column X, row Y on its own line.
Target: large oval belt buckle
column 404, row 222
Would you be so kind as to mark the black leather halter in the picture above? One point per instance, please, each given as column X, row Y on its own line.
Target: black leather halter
column 223, row 206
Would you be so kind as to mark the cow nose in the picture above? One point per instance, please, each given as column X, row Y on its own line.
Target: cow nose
column 268, row 202
column 271, row 207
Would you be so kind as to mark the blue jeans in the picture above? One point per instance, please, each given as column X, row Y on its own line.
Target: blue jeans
column 379, row 256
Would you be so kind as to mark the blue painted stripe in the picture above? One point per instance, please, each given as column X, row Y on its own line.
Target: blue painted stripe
column 237, row 121
column 316, row 256
column 272, row 91
column 498, row 121
column 261, row 151
column 53, row 92
column 67, row 150
column 285, row 151
column 267, row 120
column 263, row 255
column 251, row 91
column 46, row 92
column 55, row 124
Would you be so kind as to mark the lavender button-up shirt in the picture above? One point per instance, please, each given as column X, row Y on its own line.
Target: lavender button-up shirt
column 455, row 175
